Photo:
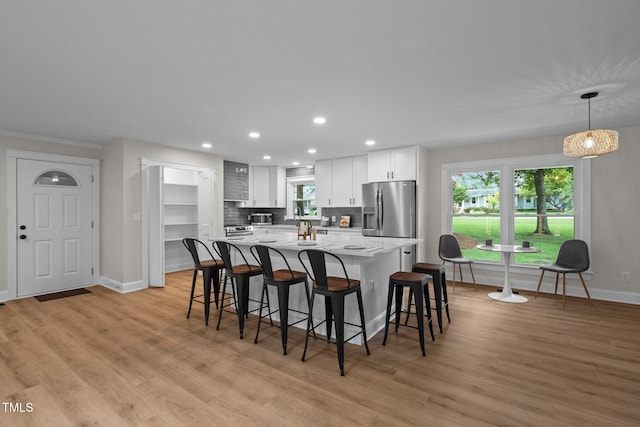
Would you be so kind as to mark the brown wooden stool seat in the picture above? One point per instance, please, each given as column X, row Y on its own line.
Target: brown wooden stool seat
column 417, row 284
column 437, row 273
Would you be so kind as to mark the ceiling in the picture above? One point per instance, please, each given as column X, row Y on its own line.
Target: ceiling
column 433, row 73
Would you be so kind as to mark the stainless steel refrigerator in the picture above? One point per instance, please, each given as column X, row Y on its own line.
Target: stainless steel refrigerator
column 389, row 210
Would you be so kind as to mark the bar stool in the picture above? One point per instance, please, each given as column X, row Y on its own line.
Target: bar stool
column 334, row 289
column 282, row 279
column 210, row 268
column 437, row 273
column 240, row 275
column 417, row 284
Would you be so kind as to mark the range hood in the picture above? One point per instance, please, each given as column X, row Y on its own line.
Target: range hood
column 236, row 181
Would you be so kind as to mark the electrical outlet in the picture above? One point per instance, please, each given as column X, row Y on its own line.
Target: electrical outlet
column 625, row 276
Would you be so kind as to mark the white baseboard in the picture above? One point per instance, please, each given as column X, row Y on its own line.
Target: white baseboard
column 574, row 287
column 4, row 296
column 120, row 287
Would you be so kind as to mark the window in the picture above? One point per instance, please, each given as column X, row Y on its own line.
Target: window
column 301, row 197
column 471, row 222
column 541, row 199
column 549, row 221
column 56, row 178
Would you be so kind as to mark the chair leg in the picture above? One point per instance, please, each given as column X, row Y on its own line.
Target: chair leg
column 388, row 317
column 585, row 288
column 475, row 287
column 283, row 307
column 207, row 279
column 328, row 312
column 399, row 294
column 454, row 277
column 216, row 286
column 539, row 283
column 460, row 269
column 264, row 291
column 193, row 287
column 309, row 324
column 420, row 316
column 555, row 292
column 564, row 286
column 362, row 322
column 409, row 302
column 337, row 303
column 306, row 290
column 437, row 290
column 224, row 293
column 427, row 303
column 445, row 296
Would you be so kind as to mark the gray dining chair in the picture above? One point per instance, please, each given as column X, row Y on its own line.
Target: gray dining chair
column 573, row 257
column 449, row 251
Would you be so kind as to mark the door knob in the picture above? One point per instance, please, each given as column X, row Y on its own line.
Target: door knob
column 23, row 227
column 22, row 236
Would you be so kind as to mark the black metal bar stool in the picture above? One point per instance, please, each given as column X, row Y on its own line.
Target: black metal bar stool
column 437, row 273
column 334, row 289
column 210, row 268
column 417, row 284
column 282, row 279
column 240, row 275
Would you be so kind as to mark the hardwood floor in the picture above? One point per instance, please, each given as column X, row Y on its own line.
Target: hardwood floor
column 135, row 360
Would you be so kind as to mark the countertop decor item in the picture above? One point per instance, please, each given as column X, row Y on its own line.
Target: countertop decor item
column 304, row 228
column 345, row 221
column 592, row 142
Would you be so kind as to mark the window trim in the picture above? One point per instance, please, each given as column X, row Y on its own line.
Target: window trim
column 507, row 167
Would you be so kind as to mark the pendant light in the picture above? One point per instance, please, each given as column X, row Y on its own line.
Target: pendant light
column 592, row 142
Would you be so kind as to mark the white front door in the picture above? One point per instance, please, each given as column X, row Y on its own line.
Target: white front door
column 54, row 219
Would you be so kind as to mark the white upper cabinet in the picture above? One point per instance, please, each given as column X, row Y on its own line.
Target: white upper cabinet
column 267, row 187
column 398, row 164
column 324, row 180
column 348, row 175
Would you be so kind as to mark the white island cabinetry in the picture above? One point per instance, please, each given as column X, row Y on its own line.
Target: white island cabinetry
column 368, row 259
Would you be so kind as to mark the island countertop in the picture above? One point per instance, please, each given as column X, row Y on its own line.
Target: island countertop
column 348, row 244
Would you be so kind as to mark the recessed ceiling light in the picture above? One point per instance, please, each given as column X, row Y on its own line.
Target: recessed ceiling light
column 309, row 166
column 311, row 151
column 254, row 135
column 206, row 145
column 370, row 142
column 267, row 157
column 319, row 120
column 295, row 163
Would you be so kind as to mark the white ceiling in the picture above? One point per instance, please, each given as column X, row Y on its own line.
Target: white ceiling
column 434, row 73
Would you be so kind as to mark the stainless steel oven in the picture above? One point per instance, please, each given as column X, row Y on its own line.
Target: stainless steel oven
column 238, row 230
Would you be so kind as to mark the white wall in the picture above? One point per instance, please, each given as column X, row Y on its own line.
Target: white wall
column 615, row 207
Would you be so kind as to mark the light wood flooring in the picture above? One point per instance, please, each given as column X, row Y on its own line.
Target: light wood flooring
column 135, row 360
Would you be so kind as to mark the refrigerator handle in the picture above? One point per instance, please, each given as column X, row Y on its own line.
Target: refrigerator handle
column 380, row 210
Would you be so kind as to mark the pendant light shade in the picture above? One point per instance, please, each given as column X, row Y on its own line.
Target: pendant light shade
column 592, row 142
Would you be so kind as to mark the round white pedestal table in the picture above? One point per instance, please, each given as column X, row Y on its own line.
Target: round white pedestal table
column 507, row 294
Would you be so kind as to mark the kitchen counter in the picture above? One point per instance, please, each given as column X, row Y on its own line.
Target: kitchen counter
column 369, row 259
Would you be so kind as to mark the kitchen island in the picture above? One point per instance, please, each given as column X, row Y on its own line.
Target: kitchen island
column 368, row 259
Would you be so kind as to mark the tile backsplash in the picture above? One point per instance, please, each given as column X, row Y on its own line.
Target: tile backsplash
column 234, row 215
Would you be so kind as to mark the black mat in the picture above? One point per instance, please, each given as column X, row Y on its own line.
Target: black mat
column 63, row 294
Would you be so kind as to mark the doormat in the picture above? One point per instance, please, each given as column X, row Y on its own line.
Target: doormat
column 63, row 294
